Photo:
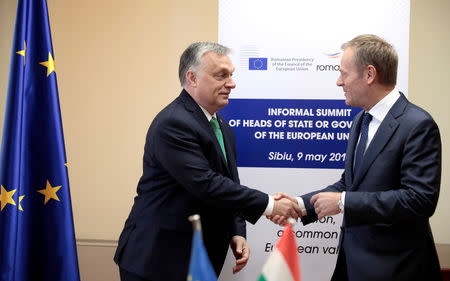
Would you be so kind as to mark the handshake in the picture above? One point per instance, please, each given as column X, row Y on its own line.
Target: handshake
column 286, row 206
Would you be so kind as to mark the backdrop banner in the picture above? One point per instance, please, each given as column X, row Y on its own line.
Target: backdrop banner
column 289, row 117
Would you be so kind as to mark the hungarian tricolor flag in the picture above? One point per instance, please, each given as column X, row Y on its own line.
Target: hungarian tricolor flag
column 283, row 263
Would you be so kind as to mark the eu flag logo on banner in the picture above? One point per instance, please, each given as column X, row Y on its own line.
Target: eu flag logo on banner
column 37, row 239
column 257, row 63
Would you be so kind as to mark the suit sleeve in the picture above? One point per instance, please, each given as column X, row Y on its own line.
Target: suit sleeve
column 311, row 215
column 419, row 184
column 178, row 150
column 239, row 227
column 239, row 224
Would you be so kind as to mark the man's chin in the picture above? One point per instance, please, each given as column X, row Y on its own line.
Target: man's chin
column 222, row 104
column 349, row 101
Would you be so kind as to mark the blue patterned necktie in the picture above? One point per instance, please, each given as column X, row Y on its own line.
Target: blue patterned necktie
column 215, row 125
column 362, row 141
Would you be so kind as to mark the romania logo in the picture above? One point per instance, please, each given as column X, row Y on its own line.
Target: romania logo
column 333, row 55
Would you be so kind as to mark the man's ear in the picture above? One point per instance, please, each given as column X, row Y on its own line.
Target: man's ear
column 371, row 74
column 191, row 78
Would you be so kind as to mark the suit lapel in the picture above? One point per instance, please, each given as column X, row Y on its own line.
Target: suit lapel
column 381, row 138
column 192, row 106
column 218, row 148
column 228, row 139
column 379, row 141
column 351, row 146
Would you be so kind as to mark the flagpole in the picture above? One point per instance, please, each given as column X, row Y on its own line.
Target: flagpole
column 292, row 221
column 196, row 224
column 200, row 267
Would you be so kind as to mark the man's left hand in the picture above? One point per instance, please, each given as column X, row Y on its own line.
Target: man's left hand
column 241, row 252
column 326, row 203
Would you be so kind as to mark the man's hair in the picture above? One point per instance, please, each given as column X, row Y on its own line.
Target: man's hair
column 373, row 50
column 191, row 57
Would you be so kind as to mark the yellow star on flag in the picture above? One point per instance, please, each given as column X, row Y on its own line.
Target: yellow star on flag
column 20, row 200
column 50, row 64
column 23, row 52
column 50, row 192
column 6, row 197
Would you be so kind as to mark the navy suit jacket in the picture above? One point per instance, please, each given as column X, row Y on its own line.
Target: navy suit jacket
column 386, row 233
column 185, row 173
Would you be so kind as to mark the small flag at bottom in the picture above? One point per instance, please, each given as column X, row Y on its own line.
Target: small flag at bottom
column 283, row 263
column 200, row 268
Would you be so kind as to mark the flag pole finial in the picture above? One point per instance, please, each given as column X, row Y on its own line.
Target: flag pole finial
column 195, row 220
column 200, row 267
column 292, row 221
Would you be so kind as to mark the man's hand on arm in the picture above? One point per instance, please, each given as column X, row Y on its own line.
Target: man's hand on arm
column 241, row 252
column 326, row 203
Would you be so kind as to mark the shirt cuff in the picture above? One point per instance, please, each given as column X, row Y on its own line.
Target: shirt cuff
column 269, row 208
column 301, row 204
column 343, row 201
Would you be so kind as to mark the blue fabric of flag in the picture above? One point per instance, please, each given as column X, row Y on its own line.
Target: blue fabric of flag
column 200, row 268
column 37, row 239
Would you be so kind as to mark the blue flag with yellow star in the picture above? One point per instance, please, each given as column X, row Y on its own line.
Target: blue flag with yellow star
column 37, row 239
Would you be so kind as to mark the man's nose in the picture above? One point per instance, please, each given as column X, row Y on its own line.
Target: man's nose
column 230, row 83
column 339, row 81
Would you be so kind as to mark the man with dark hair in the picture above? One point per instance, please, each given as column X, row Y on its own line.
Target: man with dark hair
column 390, row 186
column 190, row 168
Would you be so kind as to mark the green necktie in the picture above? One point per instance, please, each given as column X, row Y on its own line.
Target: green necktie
column 215, row 125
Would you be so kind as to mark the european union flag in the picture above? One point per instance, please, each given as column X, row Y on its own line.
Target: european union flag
column 200, row 268
column 37, row 240
column 257, row 63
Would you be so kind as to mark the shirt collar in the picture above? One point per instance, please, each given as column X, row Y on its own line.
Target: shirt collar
column 207, row 114
column 380, row 110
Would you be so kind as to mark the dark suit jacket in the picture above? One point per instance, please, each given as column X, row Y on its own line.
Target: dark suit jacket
column 385, row 233
column 185, row 173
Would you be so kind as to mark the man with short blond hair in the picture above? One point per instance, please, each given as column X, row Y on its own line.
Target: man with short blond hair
column 390, row 186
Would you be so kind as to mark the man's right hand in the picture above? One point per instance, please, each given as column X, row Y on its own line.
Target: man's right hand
column 281, row 219
column 283, row 207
